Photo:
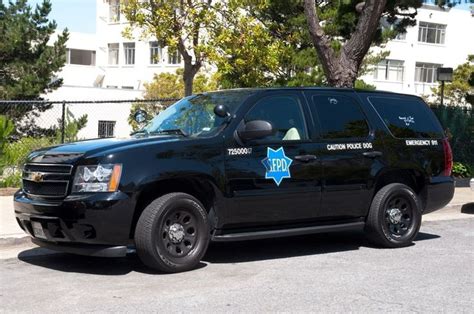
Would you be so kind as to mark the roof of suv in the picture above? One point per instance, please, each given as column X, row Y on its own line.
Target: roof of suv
column 262, row 89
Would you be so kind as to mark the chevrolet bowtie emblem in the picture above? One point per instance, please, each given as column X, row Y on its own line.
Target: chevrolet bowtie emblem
column 36, row 176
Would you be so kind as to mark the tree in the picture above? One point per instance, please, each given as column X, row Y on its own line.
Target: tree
column 165, row 88
column 27, row 63
column 187, row 27
column 71, row 128
column 270, row 45
column 285, row 25
column 343, row 31
column 246, row 53
column 460, row 91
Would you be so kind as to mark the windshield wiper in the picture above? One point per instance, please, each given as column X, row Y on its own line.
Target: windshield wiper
column 142, row 131
column 171, row 131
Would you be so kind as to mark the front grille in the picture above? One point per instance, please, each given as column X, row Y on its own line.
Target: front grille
column 46, row 180
column 48, row 168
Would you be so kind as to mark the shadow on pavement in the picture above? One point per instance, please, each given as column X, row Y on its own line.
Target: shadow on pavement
column 87, row 264
column 467, row 208
column 231, row 252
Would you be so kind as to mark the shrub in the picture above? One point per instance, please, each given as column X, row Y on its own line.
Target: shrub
column 13, row 180
column 461, row 170
column 16, row 152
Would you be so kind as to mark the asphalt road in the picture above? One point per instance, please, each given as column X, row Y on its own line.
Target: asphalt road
column 335, row 272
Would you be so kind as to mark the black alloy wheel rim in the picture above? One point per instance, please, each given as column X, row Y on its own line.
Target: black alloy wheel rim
column 179, row 233
column 398, row 216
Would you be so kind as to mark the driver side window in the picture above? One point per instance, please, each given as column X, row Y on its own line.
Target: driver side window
column 284, row 113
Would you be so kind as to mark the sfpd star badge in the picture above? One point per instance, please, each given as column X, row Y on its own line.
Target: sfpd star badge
column 277, row 165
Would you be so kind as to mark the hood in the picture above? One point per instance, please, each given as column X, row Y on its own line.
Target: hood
column 70, row 152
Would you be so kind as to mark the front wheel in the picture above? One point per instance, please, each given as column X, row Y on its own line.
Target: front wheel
column 172, row 233
column 395, row 216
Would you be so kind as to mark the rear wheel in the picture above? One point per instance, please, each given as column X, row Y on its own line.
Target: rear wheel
column 395, row 216
column 172, row 233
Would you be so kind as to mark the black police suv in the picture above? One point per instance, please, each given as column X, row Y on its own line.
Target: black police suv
column 242, row 164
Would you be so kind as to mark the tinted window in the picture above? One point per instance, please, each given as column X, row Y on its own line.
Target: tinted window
column 195, row 114
column 285, row 115
column 407, row 118
column 340, row 117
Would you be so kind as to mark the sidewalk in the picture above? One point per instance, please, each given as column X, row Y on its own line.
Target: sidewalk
column 10, row 229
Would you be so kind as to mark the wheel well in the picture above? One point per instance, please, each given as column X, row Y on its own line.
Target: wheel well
column 199, row 188
column 411, row 178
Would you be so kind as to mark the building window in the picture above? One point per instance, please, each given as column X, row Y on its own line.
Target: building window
column 389, row 70
column 431, row 33
column 129, row 50
column 113, row 53
column 401, row 36
column 80, row 57
column 106, row 128
column 392, row 26
column 114, row 11
column 174, row 57
column 127, row 87
column 155, row 52
column 426, row 72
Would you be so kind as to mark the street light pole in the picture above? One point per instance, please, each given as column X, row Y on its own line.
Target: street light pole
column 442, row 93
column 443, row 75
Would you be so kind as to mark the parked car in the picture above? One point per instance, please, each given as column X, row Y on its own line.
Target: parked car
column 240, row 165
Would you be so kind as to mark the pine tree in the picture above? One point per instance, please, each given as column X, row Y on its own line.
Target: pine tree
column 28, row 63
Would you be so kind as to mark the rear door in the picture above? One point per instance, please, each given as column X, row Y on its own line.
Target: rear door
column 347, row 156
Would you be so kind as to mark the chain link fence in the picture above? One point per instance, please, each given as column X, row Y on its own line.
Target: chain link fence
column 30, row 125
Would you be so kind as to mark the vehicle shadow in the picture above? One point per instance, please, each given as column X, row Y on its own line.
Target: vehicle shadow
column 467, row 208
column 231, row 252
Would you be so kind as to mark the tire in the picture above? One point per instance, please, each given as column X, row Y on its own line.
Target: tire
column 172, row 233
column 395, row 216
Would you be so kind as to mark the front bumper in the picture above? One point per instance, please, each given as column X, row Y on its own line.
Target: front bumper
column 96, row 219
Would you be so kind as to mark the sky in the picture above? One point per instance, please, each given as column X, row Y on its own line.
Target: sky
column 76, row 15
column 79, row 15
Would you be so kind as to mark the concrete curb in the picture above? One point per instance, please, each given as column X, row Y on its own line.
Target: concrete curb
column 8, row 242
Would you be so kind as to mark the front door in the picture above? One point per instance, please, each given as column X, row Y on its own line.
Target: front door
column 274, row 180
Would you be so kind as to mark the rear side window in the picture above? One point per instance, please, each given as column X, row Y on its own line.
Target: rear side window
column 340, row 117
column 407, row 118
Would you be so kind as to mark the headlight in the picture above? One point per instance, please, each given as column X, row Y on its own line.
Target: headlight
column 97, row 178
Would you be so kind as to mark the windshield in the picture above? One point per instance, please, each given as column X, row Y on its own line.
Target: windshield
column 194, row 115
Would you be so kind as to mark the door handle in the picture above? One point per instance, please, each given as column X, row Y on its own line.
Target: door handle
column 372, row 154
column 306, row 158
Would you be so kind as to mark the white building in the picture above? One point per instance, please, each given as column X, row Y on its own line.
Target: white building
column 107, row 66
column 441, row 38
column 128, row 63
column 82, row 81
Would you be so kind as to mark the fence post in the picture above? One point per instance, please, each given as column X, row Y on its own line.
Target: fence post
column 63, row 122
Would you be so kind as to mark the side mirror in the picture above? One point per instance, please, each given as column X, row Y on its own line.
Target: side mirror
column 221, row 111
column 140, row 116
column 255, row 130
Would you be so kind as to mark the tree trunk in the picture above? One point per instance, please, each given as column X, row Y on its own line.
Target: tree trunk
column 343, row 73
column 189, row 73
column 341, row 68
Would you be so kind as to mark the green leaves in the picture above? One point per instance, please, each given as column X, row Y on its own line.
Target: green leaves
column 27, row 62
column 457, row 92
